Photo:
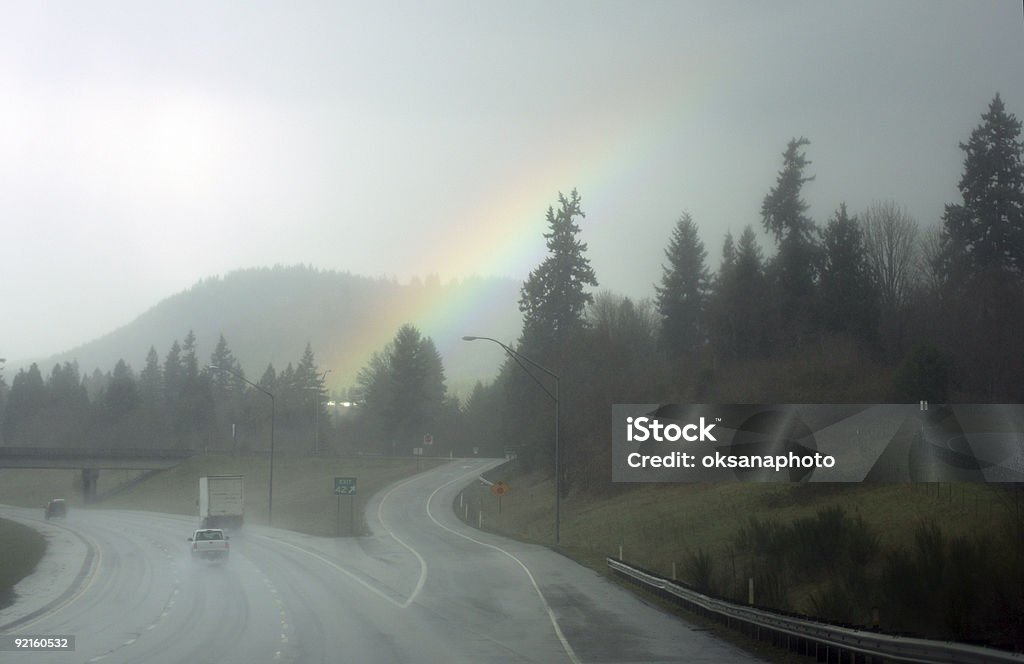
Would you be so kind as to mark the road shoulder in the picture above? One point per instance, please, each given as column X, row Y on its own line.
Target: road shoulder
column 60, row 573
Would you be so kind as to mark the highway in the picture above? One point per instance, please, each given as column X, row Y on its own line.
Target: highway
column 422, row 588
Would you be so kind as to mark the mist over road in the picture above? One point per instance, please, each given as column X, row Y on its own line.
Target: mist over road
column 422, row 588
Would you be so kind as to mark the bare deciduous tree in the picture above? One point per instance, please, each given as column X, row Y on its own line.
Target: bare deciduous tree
column 929, row 259
column 890, row 239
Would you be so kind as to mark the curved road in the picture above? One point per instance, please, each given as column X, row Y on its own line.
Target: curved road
column 423, row 588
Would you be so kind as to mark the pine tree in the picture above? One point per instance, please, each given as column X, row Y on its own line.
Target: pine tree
column 682, row 296
column 982, row 260
column 28, row 398
column 986, row 231
column 848, row 293
column 174, row 378
column 227, row 387
column 151, row 380
column 403, row 391
column 554, row 295
column 122, row 395
column 739, row 310
column 189, row 360
column 795, row 265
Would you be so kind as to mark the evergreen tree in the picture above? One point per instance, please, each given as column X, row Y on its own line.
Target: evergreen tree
column 416, row 387
column 151, row 380
column 848, row 294
column 122, row 395
column 728, row 264
column 189, row 360
column 3, row 398
column 739, row 313
column 268, row 380
column 986, row 231
column 554, row 295
column 308, row 376
column 403, row 392
column 28, row 398
column 64, row 387
column 174, row 378
column 227, row 387
column 795, row 265
column 682, row 296
column 982, row 262
column 750, row 293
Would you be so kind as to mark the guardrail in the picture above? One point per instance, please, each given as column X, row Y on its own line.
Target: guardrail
column 815, row 639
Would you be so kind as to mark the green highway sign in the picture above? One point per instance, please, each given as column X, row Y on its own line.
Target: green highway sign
column 344, row 486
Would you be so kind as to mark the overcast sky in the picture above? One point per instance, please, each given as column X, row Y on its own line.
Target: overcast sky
column 146, row 145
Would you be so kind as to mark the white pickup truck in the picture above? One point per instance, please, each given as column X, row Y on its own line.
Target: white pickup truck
column 210, row 544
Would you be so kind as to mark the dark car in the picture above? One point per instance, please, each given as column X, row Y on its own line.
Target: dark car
column 56, row 507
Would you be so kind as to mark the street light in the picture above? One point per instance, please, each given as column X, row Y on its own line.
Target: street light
column 270, row 494
column 558, row 474
column 316, row 414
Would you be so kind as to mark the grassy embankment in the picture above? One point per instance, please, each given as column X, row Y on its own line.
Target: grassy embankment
column 22, row 549
column 806, row 555
column 304, row 497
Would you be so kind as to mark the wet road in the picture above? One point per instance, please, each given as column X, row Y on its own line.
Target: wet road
column 423, row 588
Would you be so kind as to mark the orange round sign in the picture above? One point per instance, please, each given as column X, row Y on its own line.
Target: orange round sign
column 500, row 489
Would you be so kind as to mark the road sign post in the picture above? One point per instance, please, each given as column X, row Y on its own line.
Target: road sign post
column 499, row 489
column 346, row 486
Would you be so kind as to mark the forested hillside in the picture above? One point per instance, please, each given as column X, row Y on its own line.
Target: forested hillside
column 268, row 315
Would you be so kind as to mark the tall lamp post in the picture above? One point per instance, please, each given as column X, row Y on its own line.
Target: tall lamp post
column 316, row 414
column 519, row 357
column 270, row 493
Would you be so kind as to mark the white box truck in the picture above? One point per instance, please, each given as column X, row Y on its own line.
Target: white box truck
column 221, row 501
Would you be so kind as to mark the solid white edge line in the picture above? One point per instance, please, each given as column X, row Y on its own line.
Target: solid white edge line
column 423, row 563
column 551, row 614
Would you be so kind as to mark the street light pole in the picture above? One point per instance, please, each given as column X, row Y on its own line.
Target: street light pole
column 316, row 416
column 558, row 461
column 270, row 492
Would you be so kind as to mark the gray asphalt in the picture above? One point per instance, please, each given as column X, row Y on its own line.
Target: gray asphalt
column 423, row 588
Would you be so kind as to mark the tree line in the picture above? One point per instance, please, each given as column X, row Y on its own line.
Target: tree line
column 867, row 307
column 177, row 403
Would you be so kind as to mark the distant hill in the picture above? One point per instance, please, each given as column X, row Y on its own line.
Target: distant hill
column 268, row 315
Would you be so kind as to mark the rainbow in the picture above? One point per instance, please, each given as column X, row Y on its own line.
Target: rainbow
column 503, row 235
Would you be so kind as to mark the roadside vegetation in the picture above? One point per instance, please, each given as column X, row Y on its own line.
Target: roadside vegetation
column 936, row 560
column 23, row 547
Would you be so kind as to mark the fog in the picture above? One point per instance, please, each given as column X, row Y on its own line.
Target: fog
column 144, row 147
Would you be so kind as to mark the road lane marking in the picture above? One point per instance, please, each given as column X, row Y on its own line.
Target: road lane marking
column 423, row 563
column 339, row 568
column 547, row 607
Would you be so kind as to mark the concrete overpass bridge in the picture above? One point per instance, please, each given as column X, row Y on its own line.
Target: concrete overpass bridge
column 90, row 461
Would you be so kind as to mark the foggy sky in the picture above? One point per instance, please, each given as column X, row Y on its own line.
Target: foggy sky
column 144, row 146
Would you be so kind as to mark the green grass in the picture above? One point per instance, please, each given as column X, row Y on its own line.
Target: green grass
column 659, row 526
column 35, row 487
column 304, row 498
column 21, row 551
